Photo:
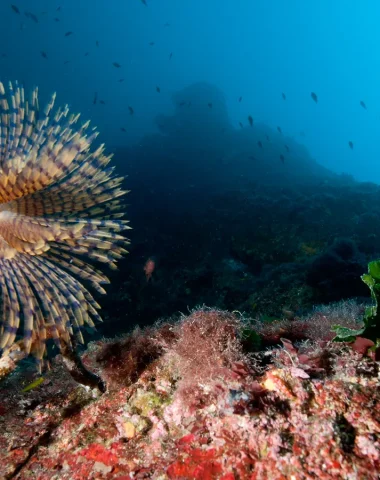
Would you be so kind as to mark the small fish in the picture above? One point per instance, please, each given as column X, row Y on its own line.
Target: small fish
column 279, row 130
column 209, row 105
column 86, row 54
column 144, row 2
column 44, row 54
column 240, row 99
column 283, row 96
column 123, row 129
column 363, row 104
column 241, row 125
column 182, row 104
column 252, row 157
column 121, row 80
column 56, row 19
column 260, row 144
column 314, row 97
column 117, row 65
column 151, row 44
column 66, row 62
column 22, row 26
column 131, row 111
column 33, row 385
column 97, row 43
column 31, row 16
column 267, row 137
column 102, row 102
column 287, row 148
column 149, row 267
column 250, row 120
column 351, row 145
column 158, row 90
column 282, row 158
column 3, row 55
column 67, row 34
column 95, row 98
column 15, row 9
column 167, row 24
column 58, row 9
column 171, row 55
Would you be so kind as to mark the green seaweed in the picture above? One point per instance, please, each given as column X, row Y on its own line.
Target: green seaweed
column 371, row 318
column 251, row 339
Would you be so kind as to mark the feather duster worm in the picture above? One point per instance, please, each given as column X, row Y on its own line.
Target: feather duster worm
column 59, row 207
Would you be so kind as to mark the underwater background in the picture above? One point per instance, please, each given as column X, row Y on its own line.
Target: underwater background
column 241, row 334
column 248, row 134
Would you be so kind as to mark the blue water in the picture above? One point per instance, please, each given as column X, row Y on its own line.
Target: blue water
column 254, row 49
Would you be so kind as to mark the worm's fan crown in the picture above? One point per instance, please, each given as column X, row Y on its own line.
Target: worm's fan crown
column 59, row 210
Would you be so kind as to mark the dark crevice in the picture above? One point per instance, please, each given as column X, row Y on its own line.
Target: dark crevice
column 43, row 441
column 346, row 433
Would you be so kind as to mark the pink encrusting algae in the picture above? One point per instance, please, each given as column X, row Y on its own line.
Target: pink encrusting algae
column 186, row 401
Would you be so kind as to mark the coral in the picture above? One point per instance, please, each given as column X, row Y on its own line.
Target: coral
column 59, row 204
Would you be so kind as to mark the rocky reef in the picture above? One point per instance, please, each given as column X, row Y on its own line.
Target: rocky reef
column 211, row 395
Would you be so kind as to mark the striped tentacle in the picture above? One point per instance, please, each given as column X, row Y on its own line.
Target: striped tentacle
column 79, row 268
column 63, row 295
column 51, row 300
column 42, row 292
column 60, row 208
column 29, row 308
column 8, row 328
column 11, row 295
column 48, row 153
column 74, row 195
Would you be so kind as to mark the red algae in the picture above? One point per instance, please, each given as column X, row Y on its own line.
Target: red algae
column 185, row 401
